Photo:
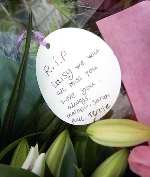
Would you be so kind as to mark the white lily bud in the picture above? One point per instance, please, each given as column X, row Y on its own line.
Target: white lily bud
column 35, row 162
column 39, row 165
column 31, row 158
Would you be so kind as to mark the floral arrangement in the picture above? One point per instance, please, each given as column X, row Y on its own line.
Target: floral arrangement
column 34, row 142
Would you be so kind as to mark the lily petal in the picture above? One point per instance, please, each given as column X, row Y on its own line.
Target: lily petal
column 39, row 165
column 31, row 158
column 139, row 161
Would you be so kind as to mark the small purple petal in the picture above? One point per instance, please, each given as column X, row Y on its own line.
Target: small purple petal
column 20, row 39
column 39, row 38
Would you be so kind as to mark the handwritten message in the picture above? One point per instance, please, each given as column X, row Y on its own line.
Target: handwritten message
column 79, row 83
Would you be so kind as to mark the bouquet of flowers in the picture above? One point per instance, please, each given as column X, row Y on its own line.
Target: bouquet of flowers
column 34, row 141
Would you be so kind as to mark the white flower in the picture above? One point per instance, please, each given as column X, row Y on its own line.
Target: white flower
column 35, row 162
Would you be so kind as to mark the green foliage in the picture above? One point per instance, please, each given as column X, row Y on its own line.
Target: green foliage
column 114, row 166
column 61, row 156
column 20, row 153
column 29, row 92
column 12, row 145
column 9, row 118
column 78, row 172
column 30, row 96
column 89, row 154
column 8, row 171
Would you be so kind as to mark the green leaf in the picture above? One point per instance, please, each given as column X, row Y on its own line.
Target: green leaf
column 31, row 95
column 40, row 119
column 45, row 115
column 31, row 123
column 61, row 157
column 114, row 166
column 51, row 131
column 45, row 121
column 89, row 154
column 20, row 153
column 8, row 171
column 78, row 172
column 9, row 118
column 14, row 144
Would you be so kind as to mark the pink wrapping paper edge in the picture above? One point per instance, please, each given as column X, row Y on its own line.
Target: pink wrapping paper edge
column 128, row 34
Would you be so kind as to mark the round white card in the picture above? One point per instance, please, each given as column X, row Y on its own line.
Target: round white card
column 79, row 75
